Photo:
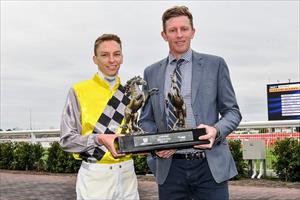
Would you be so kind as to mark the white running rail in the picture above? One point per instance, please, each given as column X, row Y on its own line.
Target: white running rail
column 47, row 136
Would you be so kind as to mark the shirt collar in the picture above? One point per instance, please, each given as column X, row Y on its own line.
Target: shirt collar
column 187, row 56
column 104, row 83
column 107, row 78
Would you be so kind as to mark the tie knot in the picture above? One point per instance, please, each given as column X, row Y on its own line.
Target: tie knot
column 179, row 62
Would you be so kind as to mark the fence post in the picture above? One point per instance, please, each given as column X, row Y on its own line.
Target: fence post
column 32, row 138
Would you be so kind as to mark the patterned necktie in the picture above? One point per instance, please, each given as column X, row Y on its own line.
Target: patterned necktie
column 177, row 72
column 172, row 117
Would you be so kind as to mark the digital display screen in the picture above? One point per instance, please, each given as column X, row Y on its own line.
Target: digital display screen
column 284, row 101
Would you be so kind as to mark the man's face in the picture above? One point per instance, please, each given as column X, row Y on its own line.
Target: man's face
column 178, row 34
column 109, row 57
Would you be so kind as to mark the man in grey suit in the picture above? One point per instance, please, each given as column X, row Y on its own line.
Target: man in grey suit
column 200, row 172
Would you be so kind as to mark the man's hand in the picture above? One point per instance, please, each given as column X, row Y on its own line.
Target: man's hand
column 165, row 153
column 108, row 141
column 211, row 133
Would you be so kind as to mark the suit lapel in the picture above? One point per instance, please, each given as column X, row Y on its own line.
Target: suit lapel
column 197, row 75
column 161, row 85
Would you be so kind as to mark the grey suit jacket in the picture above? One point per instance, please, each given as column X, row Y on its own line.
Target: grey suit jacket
column 212, row 96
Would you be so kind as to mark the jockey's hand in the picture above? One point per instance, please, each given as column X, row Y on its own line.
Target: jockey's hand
column 165, row 153
column 108, row 141
column 211, row 133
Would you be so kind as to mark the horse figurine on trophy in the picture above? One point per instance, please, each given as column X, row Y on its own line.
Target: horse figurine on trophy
column 176, row 99
column 138, row 98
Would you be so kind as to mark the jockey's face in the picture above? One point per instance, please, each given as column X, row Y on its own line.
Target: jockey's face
column 109, row 57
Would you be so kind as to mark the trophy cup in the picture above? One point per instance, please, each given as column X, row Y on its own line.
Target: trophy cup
column 136, row 140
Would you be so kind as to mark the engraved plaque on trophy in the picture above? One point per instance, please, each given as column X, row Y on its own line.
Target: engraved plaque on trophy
column 159, row 141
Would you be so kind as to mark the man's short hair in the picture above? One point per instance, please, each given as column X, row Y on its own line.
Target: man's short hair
column 176, row 11
column 106, row 37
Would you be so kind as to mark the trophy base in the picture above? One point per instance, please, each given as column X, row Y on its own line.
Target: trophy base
column 159, row 141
